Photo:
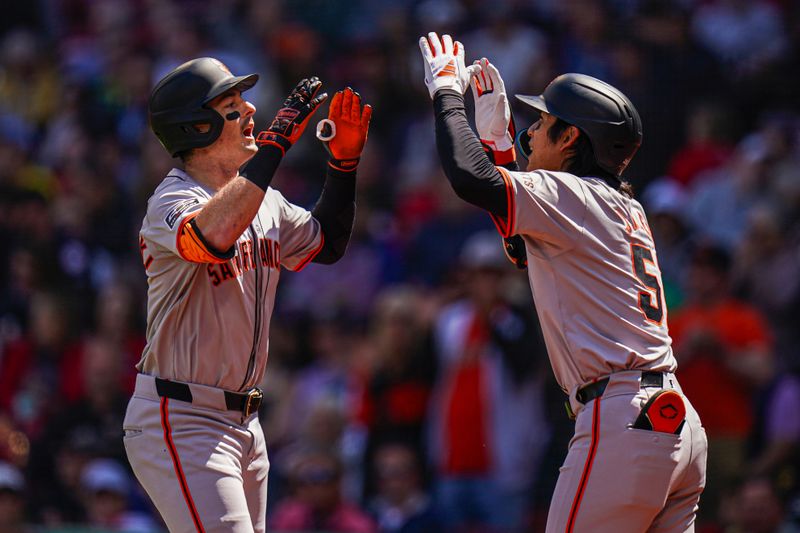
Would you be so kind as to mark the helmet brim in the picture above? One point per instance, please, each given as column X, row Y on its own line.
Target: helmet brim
column 536, row 102
column 242, row 83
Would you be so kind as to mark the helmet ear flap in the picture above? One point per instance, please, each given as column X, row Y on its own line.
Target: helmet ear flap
column 177, row 132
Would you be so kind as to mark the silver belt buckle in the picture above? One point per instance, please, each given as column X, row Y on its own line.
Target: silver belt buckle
column 253, row 401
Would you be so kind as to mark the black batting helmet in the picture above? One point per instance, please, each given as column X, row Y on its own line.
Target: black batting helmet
column 601, row 111
column 178, row 103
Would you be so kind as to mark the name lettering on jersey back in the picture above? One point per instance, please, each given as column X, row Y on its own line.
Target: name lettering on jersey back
column 633, row 221
column 266, row 252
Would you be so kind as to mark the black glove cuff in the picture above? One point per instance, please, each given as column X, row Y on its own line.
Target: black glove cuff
column 261, row 168
column 344, row 166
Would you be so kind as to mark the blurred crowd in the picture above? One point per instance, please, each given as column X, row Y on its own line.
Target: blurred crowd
column 408, row 388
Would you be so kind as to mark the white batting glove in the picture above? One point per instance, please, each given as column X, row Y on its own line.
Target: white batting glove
column 444, row 64
column 492, row 113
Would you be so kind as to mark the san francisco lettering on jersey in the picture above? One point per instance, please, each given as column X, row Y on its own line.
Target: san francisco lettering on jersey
column 267, row 252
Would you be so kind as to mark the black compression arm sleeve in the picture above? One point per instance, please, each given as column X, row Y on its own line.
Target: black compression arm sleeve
column 335, row 212
column 261, row 167
column 471, row 174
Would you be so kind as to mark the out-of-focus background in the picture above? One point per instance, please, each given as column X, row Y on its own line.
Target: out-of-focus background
column 407, row 386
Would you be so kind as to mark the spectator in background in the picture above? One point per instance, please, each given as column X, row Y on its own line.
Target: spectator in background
column 775, row 441
column 435, row 244
column 756, row 506
column 395, row 400
column 32, row 366
column 487, row 429
column 767, row 273
column 720, row 202
column 723, row 348
column 12, row 500
column 401, row 505
column 349, row 286
column 707, row 146
column 586, row 44
column 745, row 35
column 105, row 490
column 57, row 480
column 29, row 83
column 320, row 412
column 317, row 503
column 519, row 50
column 665, row 200
column 95, row 416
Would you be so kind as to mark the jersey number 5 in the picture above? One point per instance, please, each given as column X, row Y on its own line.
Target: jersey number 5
column 651, row 301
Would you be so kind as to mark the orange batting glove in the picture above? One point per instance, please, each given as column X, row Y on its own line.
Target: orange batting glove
column 351, row 121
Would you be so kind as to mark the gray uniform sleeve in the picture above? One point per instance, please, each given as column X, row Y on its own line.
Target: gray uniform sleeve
column 167, row 223
column 549, row 207
column 301, row 238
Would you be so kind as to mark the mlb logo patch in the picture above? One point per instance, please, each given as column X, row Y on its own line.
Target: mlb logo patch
column 177, row 210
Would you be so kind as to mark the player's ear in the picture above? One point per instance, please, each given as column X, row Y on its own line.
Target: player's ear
column 569, row 137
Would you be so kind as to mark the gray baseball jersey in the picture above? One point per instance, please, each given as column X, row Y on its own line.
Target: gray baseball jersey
column 203, row 461
column 594, row 275
column 208, row 313
column 593, row 272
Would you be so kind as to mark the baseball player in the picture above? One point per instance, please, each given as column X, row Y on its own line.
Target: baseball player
column 637, row 460
column 212, row 241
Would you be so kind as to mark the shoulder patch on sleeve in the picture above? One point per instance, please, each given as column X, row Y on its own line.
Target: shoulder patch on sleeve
column 178, row 209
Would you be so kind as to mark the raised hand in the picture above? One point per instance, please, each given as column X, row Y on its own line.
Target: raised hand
column 351, row 122
column 444, row 64
column 291, row 120
column 493, row 118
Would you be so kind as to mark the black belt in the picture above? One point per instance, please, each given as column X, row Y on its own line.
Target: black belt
column 595, row 390
column 246, row 402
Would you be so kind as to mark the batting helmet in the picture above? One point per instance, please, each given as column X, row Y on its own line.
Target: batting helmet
column 601, row 111
column 178, row 103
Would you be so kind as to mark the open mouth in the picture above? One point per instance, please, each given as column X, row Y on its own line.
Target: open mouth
column 248, row 131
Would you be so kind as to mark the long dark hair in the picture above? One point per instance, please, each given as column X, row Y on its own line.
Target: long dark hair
column 582, row 162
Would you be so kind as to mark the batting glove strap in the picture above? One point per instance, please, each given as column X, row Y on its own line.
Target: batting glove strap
column 274, row 139
column 496, row 155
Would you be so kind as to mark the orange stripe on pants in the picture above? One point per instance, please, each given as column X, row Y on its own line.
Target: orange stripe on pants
column 587, row 469
column 176, row 463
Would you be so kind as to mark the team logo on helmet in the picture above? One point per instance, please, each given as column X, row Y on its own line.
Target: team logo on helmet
column 219, row 64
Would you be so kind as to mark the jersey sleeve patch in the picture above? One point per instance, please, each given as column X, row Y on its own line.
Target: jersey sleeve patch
column 505, row 225
column 193, row 247
column 178, row 209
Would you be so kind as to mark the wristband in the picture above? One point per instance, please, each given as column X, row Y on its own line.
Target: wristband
column 261, row 168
